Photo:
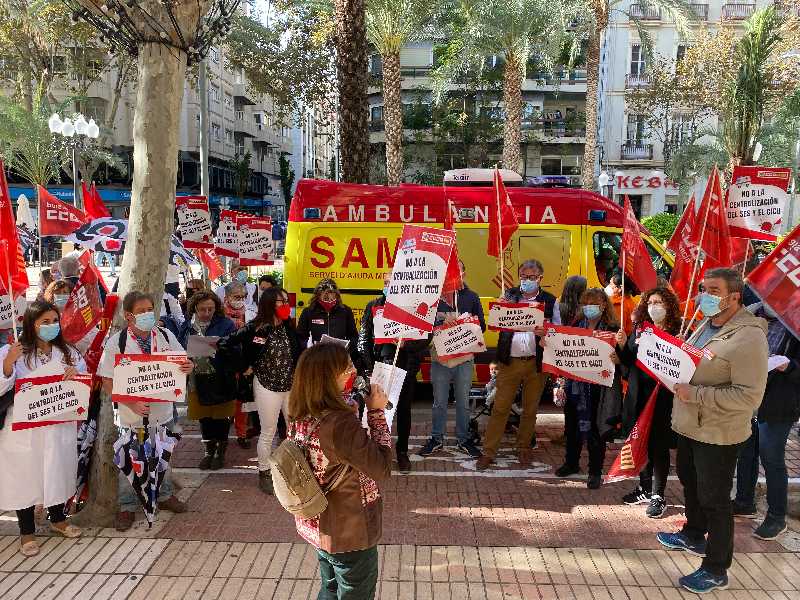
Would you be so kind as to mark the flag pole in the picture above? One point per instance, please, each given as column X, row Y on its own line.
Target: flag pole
column 500, row 234
column 39, row 211
column 696, row 266
column 746, row 257
column 694, row 316
column 6, row 251
column 399, row 345
column 622, row 300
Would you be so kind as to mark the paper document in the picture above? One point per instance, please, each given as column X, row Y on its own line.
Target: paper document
column 326, row 339
column 776, row 361
column 391, row 380
column 200, row 346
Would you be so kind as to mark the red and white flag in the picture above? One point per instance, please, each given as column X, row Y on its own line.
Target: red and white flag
column 757, row 199
column 93, row 203
column 714, row 239
column 452, row 279
column 83, row 309
column 633, row 455
column 12, row 261
column 502, row 219
column 638, row 265
column 57, row 217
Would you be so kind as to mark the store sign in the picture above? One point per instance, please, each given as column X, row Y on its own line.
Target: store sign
column 644, row 182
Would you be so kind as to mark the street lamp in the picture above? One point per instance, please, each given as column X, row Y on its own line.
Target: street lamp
column 606, row 185
column 75, row 131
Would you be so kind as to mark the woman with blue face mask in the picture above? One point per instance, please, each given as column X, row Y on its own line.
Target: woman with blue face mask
column 57, row 293
column 39, row 465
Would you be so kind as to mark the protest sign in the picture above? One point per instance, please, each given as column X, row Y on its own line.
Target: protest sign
column 255, row 241
column 579, row 354
column 757, row 199
column 194, row 221
column 49, row 400
column 149, row 378
column 460, row 337
column 226, row 240
column 633, row 455
column 418, row 276
column 666, row 358
column 386, row 331
column 515, row 316
column 6, row 312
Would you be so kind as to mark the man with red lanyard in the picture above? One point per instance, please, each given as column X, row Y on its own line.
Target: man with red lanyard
column 141, row 336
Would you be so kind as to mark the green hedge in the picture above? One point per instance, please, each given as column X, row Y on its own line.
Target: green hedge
column 662, row 225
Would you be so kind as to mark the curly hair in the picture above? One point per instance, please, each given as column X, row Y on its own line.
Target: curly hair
column 672, row 322
column 202, row 296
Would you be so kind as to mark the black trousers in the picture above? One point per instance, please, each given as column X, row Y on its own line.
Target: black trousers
column 215, row 429
column 403, row 413
column 706, row 473
column 27, row 524
column 574, row 439
column 653, row 477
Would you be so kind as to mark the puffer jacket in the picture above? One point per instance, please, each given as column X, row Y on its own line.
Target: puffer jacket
column 727, row 389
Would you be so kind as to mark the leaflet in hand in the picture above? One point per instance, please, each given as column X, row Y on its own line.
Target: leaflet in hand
column 390, row 379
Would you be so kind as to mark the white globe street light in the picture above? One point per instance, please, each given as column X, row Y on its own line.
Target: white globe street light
column 68, row 128
column 80, row 125
column 92, row 130
column 74, row 130
column 54, row 123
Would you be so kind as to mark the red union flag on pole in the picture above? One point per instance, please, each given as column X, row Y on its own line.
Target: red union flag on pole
column 713, row 238
column 83, row 309
column 93, row 204
column 638, row 265
column 211, row 261
column 684, row 226
column 777, row 281
column 12, row 264
column 502, row 219
column 685, row 252
column 452, row 280
column 57, row 217
column 756, row 202
column 418, row 276
column 632, row 456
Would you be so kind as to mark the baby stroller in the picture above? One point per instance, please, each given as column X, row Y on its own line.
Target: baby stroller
column 483, row 400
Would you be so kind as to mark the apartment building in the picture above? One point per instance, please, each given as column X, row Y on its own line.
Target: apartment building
column 627, row 152
column 553, row 122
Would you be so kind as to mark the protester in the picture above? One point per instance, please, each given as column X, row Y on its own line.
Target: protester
column 57, row 293
column 70, row 268
column 192, row 286
column 327, row 315
column 660, row 307
column 140, row 336
column 409, row 359
column 270, row 346
column 347, row 532
column 238, row 274
column 779, row 410
column 711, row 416
column 519, row 361
column 456, row 371
column 207, row 398
column 45, row 279
column 587, row 405
column 568, row 310
column 39, row 464
column 234, row 301
column 624, row 307
column 264, row 282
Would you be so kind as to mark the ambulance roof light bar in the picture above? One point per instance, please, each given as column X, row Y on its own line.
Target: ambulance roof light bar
column 481, row 177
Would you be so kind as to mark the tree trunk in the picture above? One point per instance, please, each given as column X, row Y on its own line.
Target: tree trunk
column 351, row 73
column 393, row 118
column 592, row 77
column 512, row 125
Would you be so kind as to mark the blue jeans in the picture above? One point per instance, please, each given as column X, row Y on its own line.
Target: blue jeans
column 348, row 575
column 441, row 378
column 769, row 443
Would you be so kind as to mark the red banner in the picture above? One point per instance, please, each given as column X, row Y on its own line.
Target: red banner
column 452, row 279
column 756, row 201
column 685, row 253
column 57, row 217
column 12, row 263
column 83, row 309
column 777, row 281
column 502, row 219
column 638, row 265
column 93, row 204
column 633, row 455
column 211, row 261
column 95, row 351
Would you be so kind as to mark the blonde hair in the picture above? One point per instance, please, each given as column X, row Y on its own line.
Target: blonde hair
column 314, row 388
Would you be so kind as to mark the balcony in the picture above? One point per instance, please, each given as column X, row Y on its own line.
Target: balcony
column 555, row 128
column 636, row 151
column 242, row 94
column 376, row 125
column 737, row 11
column 560, row 77
column 645, row 12
column 700, row 11
column 637, row 80
column 243, row 125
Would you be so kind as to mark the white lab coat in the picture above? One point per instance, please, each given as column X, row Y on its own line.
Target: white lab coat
column 37, row 465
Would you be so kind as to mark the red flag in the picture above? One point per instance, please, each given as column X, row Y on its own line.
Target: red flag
column 87, row 262
column 93, row 204
column 713, row 238
column 638, row 265
column 452, row 279
column 685, row 253
column 741, row 250
column 57, row 217
column 12, row 265
column 208, row 256
column 777, row 281
column 633, row 455
column 83, row 309
column 502, row 219
column 684, row 226
column 95, row 351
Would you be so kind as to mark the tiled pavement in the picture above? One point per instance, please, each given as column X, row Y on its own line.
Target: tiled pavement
column 449, row 532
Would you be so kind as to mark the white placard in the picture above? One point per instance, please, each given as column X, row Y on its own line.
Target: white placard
column 515, row 316
column 149, row 378
column 41, row 401
column 459, row 337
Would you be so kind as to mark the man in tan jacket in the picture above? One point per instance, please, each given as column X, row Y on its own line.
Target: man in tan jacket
column 711, row 416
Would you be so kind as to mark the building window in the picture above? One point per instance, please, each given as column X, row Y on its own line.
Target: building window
column 636, row 131
column 376, row 114
column 214, row 54
column 228, row 100
column 216, row 132
column 551, row 166
column 683, row 129
column 59, row 65
column 213, row 93
column 375, row 64
column 228, row 136
column 637, row 60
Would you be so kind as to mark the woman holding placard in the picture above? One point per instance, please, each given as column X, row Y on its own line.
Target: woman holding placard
column 39, row 463
column 583, row 402
column 661, row 307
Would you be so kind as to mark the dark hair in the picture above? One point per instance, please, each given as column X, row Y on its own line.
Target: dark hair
column 731, row 277
column 266, row 306
column 28, row 336
column 609, row 315
column 53, row 286
column 202, row 296
column 69, row 267
column 314, row 388
column 531, row 263
column 269, row 279
column 672, row 322
column 326, row 285
column 132, row 298
column 569, row 303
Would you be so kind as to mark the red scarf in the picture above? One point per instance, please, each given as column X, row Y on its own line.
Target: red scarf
column 235, row 314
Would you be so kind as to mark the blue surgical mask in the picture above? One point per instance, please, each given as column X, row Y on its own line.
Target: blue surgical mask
column 592, row 311
column 241, row 276
column 60, row 300
column 528, row 286
column 709, row 304
column 145, row 321
column 49, row 331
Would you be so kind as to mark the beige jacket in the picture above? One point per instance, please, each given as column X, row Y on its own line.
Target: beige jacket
column 728, row 388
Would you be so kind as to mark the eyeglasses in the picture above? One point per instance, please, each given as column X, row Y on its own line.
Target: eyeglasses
column 531, row 277
column 239, row 297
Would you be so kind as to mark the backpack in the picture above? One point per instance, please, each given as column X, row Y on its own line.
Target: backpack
column 293, row 480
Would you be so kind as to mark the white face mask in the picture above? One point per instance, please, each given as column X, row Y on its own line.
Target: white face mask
column 237, row 304
column 657, row 312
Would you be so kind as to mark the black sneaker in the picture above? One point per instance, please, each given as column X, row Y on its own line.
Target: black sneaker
column 469, row 449
column 593, row 482
column 566, row 470
column 744, row 512
column 430, row 447
column 769, row 529
column 637, row 496
column 657, row 508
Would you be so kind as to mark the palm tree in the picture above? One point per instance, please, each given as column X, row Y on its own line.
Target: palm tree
column 514, row 31
column 390, row 25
